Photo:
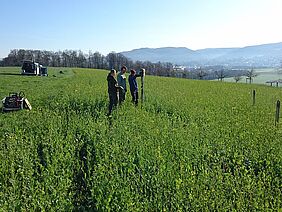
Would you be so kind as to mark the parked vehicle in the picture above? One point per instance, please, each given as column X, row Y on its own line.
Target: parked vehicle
column 32, row 68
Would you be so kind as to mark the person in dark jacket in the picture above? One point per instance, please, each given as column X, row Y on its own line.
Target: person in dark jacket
column 133, row 85
column 113, row 90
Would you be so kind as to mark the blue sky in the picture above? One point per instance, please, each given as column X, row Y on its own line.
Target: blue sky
column 120, row 25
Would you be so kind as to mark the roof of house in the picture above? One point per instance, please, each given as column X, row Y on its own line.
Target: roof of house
column 274, row 81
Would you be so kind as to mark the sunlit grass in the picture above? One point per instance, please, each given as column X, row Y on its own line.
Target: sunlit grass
column 193, row 145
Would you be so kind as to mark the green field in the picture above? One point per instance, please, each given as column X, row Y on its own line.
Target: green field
column 263, row 75
column 192, row 146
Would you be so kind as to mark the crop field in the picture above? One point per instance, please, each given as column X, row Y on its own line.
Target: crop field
column 192, row 146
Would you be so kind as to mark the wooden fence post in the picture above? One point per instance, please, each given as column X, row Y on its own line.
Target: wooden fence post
column 254, row 97
column 277, row 115
column 142, row 84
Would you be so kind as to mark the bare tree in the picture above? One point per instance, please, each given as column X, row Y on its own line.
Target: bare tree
column 112, row 60
column 201, row 73
column 237, row 78
column 250, row 75
column 220, row 74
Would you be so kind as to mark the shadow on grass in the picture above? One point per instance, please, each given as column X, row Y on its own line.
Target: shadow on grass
column 10, row 74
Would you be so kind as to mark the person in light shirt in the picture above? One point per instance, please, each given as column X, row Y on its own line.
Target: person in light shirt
column 121, row 78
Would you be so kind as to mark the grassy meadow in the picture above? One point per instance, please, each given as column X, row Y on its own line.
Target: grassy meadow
column 192, row 146
column 263, row 75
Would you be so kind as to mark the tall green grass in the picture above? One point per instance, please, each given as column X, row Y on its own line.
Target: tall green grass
column 192, row 145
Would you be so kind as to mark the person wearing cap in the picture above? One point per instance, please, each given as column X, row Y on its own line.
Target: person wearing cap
column 134, row 85
column 113, row 90
column 121, row 78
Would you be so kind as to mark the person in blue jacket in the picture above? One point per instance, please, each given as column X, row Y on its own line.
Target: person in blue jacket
column 134, row 85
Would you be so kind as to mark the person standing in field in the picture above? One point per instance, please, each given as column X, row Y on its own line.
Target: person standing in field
column 121, row 78
column 133, row 85
column 113, row 90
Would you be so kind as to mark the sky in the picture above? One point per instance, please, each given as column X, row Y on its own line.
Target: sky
column 123, row 25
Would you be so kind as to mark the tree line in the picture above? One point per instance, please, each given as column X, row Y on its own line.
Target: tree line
column 96, row 60
column 77, row 58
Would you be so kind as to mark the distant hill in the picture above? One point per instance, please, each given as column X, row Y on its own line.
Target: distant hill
column 166, row 54
column 259, row 55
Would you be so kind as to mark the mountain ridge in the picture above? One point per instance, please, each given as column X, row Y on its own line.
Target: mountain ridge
column 256, row 55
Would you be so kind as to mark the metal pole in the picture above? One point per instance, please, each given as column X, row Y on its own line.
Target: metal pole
column 277, row 112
